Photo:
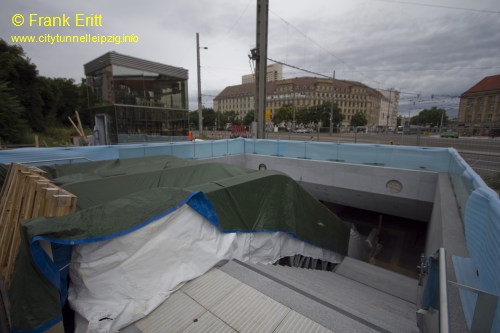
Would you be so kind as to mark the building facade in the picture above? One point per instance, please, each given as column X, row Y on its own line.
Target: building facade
column 388, row 115
column 142, row 100
column 350, row 96
column 479, row 110
column 274, row 73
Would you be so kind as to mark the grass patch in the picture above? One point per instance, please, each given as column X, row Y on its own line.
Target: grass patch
column 493, row 182
column 56, row 137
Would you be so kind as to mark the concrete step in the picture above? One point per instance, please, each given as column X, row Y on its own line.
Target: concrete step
column 352, row 301
column 392, row 283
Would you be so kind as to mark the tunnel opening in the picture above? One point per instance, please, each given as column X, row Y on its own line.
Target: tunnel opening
column 401, row 240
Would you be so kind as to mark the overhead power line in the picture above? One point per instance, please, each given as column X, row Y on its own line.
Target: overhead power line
column 441, row 6
column 311, row 40
column 324, row 49
column 238, row 19
column 363, row 72
column 422, row 69
column 300, row 69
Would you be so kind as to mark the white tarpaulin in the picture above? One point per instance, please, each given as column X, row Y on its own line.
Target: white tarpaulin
column 119, row 281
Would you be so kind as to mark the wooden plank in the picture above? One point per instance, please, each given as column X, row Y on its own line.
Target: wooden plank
column 39, row 200
column 30, row 198
column 6, row 185
column 76, row 127
column 50, row 204
column 79, row 123
column 15, row 237
column 64, row 204
column 16, row 200
column 26, row 194
column 7, row 191
column 34, row 170
column 8, row 215
column 20, row 194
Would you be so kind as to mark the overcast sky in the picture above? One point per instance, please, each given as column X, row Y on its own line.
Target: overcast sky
column 439, row 47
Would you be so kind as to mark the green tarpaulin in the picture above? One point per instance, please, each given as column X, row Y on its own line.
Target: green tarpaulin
column 118, row 197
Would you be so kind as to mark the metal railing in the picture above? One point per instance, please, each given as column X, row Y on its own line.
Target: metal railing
column 444, row 326
column 52, row 160
column 484, row 312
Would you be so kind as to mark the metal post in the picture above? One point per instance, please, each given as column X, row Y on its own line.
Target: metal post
column 331, row 106
column 388, row 110
column 441, row 124
column 261, row 66
column 294, row 111
column 200, row 116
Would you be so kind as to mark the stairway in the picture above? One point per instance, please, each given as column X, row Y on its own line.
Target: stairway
column 358, row 297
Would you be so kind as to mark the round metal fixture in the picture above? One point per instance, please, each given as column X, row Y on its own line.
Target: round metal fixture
column 394, row 186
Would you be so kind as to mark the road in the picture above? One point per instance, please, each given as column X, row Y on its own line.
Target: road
column 481, row 153
column 478, row 145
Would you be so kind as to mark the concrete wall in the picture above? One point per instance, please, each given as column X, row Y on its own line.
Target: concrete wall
column 354, row 185
column 446, row 230
column 427, row 196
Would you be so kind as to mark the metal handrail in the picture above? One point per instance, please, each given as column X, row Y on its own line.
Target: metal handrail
column 58, row 159
column 444, row 326
column 486, row 306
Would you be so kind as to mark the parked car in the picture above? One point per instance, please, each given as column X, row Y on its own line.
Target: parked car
column 449, row 134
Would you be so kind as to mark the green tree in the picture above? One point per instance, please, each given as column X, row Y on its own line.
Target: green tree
column 359, row 119
column 430, row 117
column 60, row 97
column 249, row 118
column 229, row 117
column 208, row 117
column 337, row 116
column 86, row 98
column 320, row 113
column 68, row 98
column 12, row 124
column 193, row 119
column 283, row 114
column 22, row 77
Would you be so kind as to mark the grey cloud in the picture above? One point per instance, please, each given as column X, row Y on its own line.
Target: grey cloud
column 412, row 48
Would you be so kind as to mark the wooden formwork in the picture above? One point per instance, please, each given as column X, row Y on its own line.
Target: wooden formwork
column 26, row 193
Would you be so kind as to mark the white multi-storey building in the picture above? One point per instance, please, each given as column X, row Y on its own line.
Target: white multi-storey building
column 389, row 103
column 350, row 96
column 274, row 73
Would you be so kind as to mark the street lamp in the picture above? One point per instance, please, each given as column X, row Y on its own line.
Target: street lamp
column 331, row 106
column 200, row 117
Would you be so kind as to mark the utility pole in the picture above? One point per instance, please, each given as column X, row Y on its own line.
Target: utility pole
column 200, row 116
column 331, row 106
column 388, row 110
column 260, row 57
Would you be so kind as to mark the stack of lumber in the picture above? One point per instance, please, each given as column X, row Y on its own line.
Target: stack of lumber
column 26, row 193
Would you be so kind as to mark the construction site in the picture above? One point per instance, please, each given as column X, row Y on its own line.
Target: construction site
column 246, row 235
